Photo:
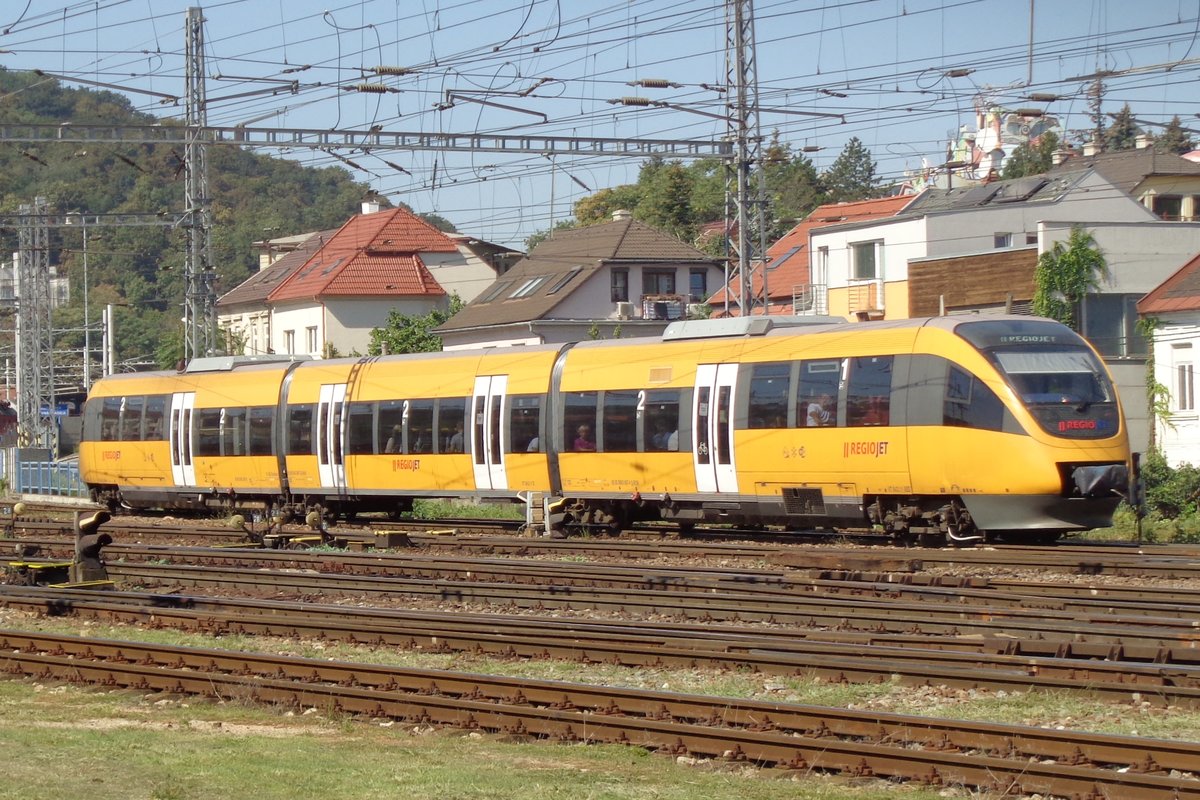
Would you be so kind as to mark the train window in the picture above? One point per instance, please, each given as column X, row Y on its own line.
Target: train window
column 110, row 419
column 391, row 426
column 579, row 421
column 869, row 391
column 91, row 419
column 262, row 430
column 420, row 426
column 452, row 417
column 970, row 403
column 208, row 432
column 524, row 423
column 660, row 420
column 233, row 432
column 154, row 415
column 131, row 419
column 769, row 388
column 300, row 430
column 360, row 429
column 618, row 432
column 817, row 392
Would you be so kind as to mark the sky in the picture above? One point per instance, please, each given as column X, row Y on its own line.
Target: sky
column 901, row 75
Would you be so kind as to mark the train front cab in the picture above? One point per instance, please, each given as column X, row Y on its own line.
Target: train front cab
column 1035, row 416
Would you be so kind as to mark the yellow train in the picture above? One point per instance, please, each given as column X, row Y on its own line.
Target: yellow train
column 955, row 427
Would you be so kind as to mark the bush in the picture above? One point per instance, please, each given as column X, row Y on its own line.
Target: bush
column 1171, row 492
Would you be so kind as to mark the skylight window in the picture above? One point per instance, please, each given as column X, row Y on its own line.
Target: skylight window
column 564, row 280
column 529, row 287
column 494, row 292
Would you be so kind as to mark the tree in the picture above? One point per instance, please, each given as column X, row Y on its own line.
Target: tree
column 852, row 175
column 406, row 333
column 794, row 188
column 666, row 201
column 1122, row 133
column 1065, row 274
column 1174, row 139
column 1031, row 158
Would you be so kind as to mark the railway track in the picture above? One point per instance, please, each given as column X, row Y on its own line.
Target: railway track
column 1009, row 759
column 776, row 651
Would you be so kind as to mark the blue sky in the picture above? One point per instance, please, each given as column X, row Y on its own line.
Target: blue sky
column 902, row 75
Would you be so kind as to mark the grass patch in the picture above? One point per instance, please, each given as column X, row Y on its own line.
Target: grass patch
column 448, row 509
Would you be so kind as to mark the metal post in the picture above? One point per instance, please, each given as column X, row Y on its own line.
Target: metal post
column 87, row 322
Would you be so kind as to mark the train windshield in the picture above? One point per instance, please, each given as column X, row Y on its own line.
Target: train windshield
column 1072, row 376
column 1057, row 376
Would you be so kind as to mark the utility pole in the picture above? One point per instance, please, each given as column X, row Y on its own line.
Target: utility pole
column 743, row 202
column 35, row 339
column 200, row 300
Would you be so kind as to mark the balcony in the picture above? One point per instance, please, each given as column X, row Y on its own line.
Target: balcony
column 664, row 306
column 810, row 299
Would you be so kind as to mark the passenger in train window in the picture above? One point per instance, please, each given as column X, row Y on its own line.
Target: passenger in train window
column 455, row 445
column 584, row 442
column 533, row 446
column 661, row 435
column 673, row 440
column 395, row 442
column 818, row 411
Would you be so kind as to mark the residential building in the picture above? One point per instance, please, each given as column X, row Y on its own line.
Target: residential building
column 794, row 274
column 975, row 249
column 320, row 294
column 1174, row 306
column 619, row 278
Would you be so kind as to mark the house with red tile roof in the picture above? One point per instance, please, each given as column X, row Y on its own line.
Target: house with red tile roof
column 330, row 289
column 1175, row 308
column 787, row 268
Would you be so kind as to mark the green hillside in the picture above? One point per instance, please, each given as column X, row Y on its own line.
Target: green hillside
column 253, row 197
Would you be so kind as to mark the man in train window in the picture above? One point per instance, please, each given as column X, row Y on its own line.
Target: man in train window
column 819, row 411
column 395, row 442
column 455, row 445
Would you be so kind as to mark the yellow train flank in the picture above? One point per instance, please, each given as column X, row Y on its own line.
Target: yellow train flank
column 956, row 428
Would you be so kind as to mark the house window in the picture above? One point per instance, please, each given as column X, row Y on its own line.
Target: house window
column 620, row 285
column 1185, row 391
column 563, row 281
column 1167, row 206
column 658, row 281
column 698, row 285
column 866, row 260
column 1001, row 240
column 1031, row 238
column 1109, row 323
column 311, row 335
column 494, row 292
column 289, row 341
column 822, row 273
column 529, row 287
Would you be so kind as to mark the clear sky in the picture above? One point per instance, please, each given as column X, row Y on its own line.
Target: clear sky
column 902, row 75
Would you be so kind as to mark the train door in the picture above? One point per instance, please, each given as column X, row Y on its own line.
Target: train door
column 330, row 462
column 183, row 405
column 488, row 434
column 712, row 428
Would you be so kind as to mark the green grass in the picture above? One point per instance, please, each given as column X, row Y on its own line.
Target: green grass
column 447, row 509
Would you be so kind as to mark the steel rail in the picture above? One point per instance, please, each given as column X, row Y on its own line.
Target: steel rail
column 1013, row 759
column 842, row 662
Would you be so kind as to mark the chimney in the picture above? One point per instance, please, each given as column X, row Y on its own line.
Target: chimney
column 1142, row 141
column 370, row 206
column 1091, row 148
column 1059, row 155
column 622, row 214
